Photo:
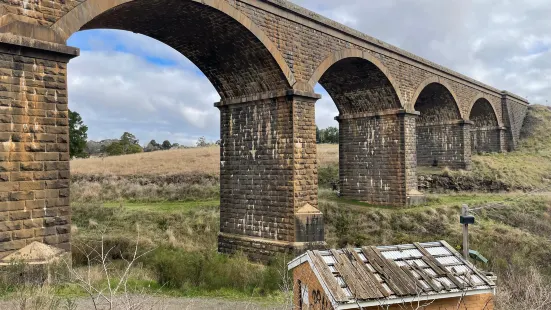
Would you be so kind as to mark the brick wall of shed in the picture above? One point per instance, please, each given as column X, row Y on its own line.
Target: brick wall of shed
column 443, row 145
column 34, row 152
column 475, row 302
column 377, row 158
column 317, row 299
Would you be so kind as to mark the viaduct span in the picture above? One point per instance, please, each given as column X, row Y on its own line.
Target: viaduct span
column 264, row 57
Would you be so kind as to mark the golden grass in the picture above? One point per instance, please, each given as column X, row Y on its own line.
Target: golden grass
column 183, row 161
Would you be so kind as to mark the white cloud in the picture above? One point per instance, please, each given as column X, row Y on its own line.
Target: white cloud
column 117, row 92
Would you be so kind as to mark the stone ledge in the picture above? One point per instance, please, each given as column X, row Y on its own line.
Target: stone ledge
column 376, row 114
column 17, row 45
column 266, row 95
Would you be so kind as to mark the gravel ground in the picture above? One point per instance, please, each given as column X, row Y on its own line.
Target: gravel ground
column 166, row 303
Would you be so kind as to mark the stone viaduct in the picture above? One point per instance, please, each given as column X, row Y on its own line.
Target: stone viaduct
column 264, row 57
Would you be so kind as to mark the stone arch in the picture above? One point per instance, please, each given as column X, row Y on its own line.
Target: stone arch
column 441, row 134
column 444, row 84
column 486, row 130
column 275, row 75
column 482, row 98
column 347, row 74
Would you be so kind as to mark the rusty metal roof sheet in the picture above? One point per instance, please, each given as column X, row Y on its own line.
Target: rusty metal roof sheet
column 388, row 274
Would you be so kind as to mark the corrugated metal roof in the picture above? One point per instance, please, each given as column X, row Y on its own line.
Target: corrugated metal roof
column 396, row 272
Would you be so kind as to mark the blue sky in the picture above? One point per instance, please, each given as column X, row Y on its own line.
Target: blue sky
column 128, row 82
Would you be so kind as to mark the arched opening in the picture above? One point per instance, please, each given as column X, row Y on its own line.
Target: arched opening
column 235, row 61
column 371, row 128
column 440, row 129
column 485, row 133
column 257, row 149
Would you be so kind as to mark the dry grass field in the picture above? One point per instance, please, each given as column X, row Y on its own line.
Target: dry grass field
column 184, row 161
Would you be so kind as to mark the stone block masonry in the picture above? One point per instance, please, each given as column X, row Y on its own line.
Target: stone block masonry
column 377, row 159
column 268, row 171
column 264, row 58
column 444, row 145
column 34, row 149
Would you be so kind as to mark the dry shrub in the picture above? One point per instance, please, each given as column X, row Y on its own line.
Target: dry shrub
column 523, row 289
column 142, row 189
column 40, row 298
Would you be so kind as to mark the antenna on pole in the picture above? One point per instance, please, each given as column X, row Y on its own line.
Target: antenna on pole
column 466, row 219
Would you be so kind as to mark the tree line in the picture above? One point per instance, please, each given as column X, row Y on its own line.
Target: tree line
column 128, row 143
column 329, row 135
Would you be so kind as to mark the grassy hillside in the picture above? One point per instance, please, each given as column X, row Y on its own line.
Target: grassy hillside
column 171, row 200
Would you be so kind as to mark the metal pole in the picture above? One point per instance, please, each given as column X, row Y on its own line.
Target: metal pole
column 465, row 212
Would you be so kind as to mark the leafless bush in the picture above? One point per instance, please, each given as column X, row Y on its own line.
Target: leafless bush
column 107, row 285
column 523, row 289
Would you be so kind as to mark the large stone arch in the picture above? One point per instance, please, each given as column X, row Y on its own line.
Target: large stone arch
column 477, row 98
column 442, row 133
column 439, row 81
column 374, row 128
column 258, row 67
column 354, row 64
column 487, row 134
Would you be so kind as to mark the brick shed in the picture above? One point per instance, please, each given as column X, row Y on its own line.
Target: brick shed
column 429, row 276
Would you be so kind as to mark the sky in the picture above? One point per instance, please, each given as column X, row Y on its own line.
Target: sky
column 128, row 82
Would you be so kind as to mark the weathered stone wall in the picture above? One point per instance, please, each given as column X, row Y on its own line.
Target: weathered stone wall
column 514, row 113
column 34, row 149
column 377, row 158
column 256, row 169
column 268, row 168
column 443, row 145
column 486, row 140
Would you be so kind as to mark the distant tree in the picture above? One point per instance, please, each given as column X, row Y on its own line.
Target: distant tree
column 114, row 149
column 166, row 145
column 318, row 135
column 78, row 134
column 327, row 135
column 202, row 142
column 175, row 145
column 332, row 135
column 128, row 144
column 154, row 143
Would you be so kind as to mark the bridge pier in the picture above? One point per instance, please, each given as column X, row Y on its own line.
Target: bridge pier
column 268, row 175
column 377, row 160
column 445, row 144
column 34, row 148
column 488, row 140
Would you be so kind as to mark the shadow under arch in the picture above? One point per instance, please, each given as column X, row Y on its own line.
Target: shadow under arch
column 235, row 54
column 486, row 132
column 436, row 80
column 354, row 78
column 479, row 98
column 442, row 133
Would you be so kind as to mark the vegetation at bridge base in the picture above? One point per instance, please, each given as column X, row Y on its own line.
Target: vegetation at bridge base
column 172, row 199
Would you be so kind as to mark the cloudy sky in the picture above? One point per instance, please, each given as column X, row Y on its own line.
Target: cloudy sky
column 127, row 82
